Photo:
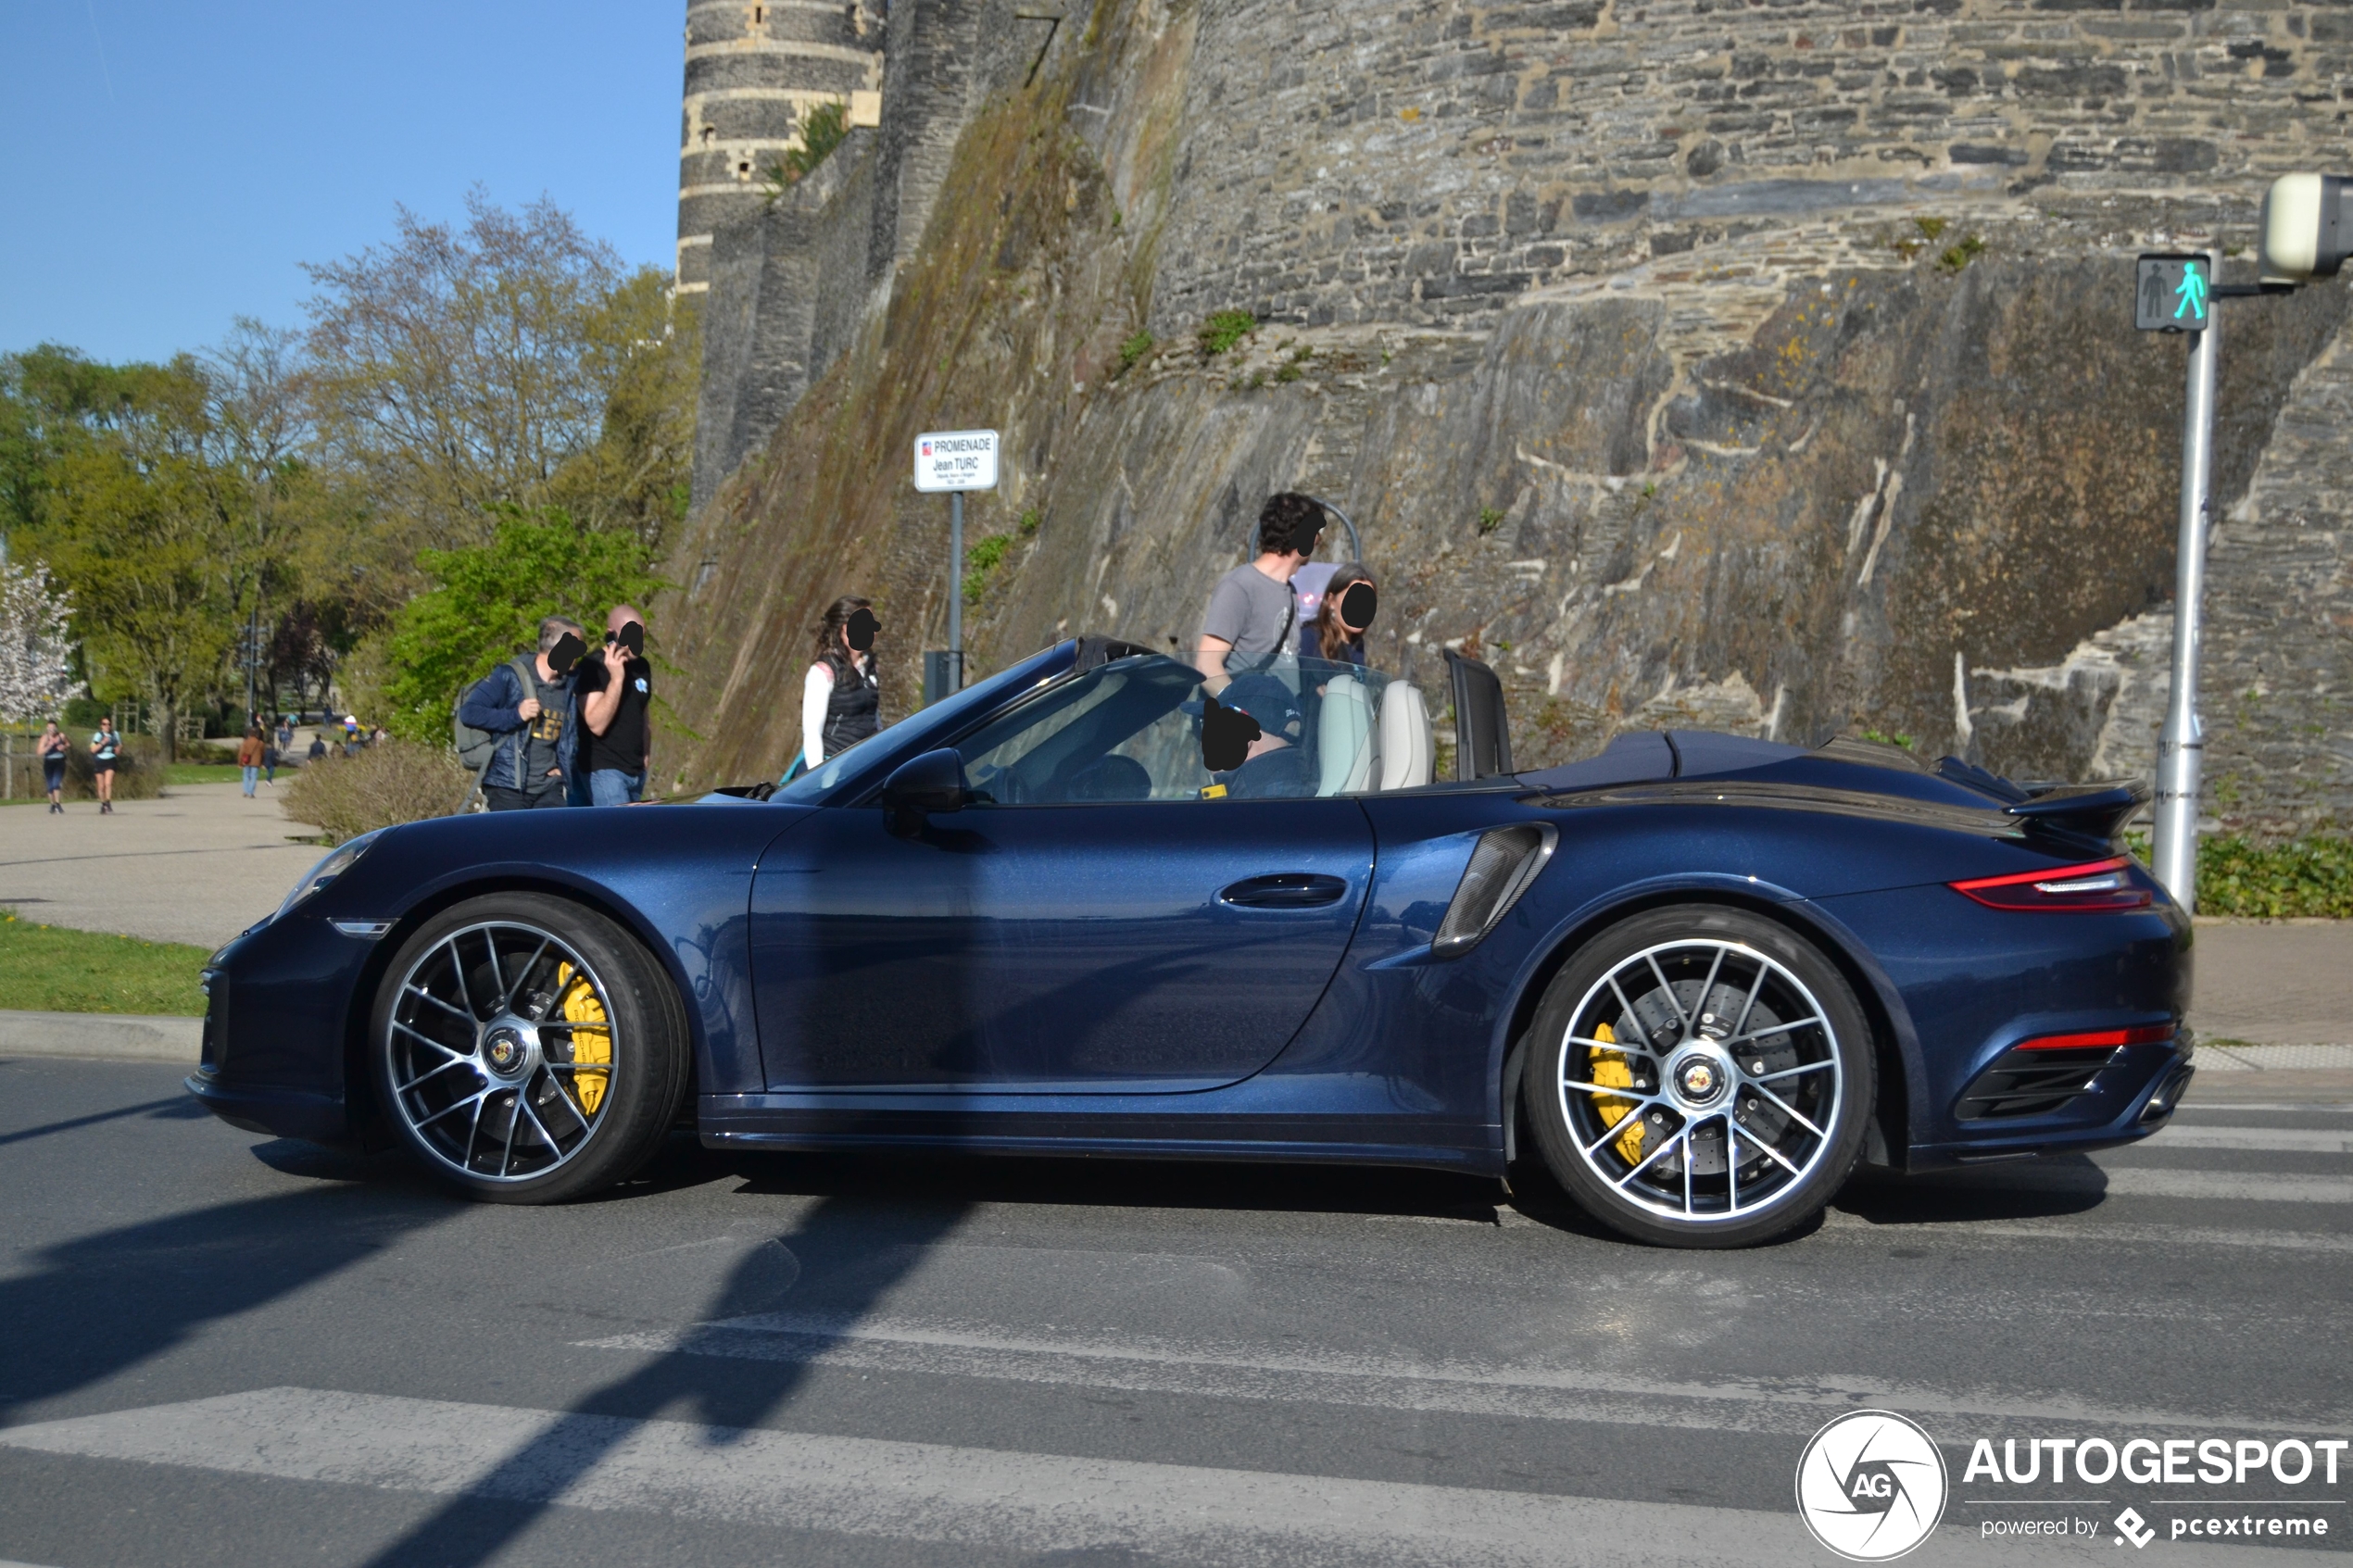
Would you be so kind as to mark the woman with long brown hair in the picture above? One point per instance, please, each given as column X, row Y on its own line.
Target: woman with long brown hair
column 841, row 697
column 1337, row 633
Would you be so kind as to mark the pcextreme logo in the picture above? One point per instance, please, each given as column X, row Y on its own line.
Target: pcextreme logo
column 1872, row 1486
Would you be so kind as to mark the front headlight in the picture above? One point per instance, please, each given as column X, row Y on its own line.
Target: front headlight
column 338, row 861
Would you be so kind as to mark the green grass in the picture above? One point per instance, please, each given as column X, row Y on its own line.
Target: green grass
column 58, row 969
column 201, row 772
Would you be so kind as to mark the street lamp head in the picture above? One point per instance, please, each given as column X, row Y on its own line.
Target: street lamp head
column 2306, row 227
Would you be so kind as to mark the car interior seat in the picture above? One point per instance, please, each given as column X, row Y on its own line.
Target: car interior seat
column 1405, row 737
column 1344, row 738
column 1111, row 778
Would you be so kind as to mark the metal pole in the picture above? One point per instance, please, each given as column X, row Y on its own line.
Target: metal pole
column 956, row 589
column 2180, row 747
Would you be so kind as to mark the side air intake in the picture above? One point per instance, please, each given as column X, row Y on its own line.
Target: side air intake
column 1500, row 869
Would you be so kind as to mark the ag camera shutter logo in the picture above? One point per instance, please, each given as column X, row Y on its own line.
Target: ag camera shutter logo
column 1872, row 1486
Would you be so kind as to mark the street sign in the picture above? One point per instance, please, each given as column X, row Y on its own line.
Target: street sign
column 956, row 460
column 2173, row 293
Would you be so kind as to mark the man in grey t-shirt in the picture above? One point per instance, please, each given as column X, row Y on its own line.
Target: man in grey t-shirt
column 1251, row 613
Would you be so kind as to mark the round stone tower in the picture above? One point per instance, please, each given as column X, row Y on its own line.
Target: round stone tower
column 754, row 69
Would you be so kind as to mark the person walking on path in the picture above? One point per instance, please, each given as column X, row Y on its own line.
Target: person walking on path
column 104, row 747
column 616, row 696
column 538, row 722
column 1252, row 611
column 52, row 747
column 269, row 758
column 841, row 696
column 285, row 733
column 249, row 757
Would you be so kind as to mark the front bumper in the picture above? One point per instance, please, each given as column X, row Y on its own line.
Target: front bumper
column 278, row 1020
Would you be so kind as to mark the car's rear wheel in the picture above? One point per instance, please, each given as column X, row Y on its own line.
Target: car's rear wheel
column 1700, row 1076
column 527, row 1050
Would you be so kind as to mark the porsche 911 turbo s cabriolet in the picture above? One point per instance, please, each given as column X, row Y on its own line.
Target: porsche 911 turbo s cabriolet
column 1093, row 905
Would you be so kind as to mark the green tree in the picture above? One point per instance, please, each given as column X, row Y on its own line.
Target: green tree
column 636, row 475
column 457, row 371
column 485, row 606
column 151, row 536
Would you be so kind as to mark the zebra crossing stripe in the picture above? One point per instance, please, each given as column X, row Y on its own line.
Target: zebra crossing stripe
column 1009, row 1501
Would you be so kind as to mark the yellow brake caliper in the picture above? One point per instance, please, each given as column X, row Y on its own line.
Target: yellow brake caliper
column 1611, row 1068
column 580, row 1007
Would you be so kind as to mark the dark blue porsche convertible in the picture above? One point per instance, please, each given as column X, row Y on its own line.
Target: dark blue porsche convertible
column 1093, row 905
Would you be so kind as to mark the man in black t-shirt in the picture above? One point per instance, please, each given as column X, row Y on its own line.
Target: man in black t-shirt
column 616, row 690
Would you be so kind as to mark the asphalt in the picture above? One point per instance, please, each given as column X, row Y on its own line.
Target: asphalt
column 223, row 1348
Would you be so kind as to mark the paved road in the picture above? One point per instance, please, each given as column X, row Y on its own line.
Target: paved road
column 198, row 865
column 225, row 1349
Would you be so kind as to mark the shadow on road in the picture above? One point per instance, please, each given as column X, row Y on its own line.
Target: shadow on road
column 850, row 1254
column 2069, row 1185
column 176, row 1107
column 100, row 1303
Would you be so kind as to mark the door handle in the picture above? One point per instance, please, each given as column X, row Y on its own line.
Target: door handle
column 1285, row 890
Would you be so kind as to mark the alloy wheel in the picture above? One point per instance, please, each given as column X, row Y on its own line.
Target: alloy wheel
column 502, row 1052
column 1701, row 1080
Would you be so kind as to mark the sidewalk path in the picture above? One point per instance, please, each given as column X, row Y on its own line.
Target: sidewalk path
column 199, row 865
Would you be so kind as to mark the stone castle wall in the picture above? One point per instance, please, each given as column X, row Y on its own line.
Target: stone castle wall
column 1766, row 366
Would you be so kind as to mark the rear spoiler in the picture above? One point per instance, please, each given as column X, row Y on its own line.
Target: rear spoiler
column 2096, row 810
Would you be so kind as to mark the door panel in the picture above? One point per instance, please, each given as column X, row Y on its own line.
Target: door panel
column 1135, row 947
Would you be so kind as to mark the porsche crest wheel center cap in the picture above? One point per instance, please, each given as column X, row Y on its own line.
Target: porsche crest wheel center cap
column 1698, row 1076
column 507, row 1048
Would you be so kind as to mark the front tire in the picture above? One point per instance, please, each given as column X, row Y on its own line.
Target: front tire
column 527, row 1050
column 1700, row 1076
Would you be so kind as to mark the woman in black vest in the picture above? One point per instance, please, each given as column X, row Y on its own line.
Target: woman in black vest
column 841, row 699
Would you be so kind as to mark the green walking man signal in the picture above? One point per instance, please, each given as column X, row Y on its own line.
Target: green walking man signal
column 2173, row 293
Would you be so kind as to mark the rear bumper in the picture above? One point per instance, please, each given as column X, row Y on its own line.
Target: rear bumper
column 2133, row 1095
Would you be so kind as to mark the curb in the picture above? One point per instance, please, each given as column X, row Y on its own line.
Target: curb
column 107, row 1036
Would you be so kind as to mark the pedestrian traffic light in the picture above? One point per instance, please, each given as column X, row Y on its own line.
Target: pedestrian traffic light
column 2306, row 227
column 2173, row 293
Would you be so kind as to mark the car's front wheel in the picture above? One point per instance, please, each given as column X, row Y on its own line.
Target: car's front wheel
column 1700, row 1076
column 527, row 1050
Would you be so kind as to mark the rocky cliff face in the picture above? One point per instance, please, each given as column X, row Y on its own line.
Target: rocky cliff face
column 1767, row 369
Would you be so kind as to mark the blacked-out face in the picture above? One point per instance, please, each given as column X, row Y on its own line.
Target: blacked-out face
column 1358, row 605
column 566, row 653
column 860, row 630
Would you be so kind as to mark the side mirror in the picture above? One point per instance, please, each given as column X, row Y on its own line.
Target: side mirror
column 934, row 782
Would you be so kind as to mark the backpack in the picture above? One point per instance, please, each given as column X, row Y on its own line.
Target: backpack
column 476, row 748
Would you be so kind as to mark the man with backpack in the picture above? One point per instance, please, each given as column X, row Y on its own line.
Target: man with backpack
column 519, row 725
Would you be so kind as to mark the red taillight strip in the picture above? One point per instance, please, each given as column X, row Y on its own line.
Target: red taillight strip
column 2141, row 1035
column 2057, row 874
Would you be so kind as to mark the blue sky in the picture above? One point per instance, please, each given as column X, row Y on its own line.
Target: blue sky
column 164, row 168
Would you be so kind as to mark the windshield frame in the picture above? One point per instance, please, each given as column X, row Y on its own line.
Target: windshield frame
column 867, row 764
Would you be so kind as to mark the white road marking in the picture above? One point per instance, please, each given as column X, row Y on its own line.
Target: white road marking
column 2142, row 1181
column 1947, row 1232
column 2294, row 1138
column 1142, row 1364
column 929, row 1491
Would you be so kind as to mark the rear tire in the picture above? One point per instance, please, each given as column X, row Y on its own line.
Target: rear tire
column 1700, row 1076
column 527, row 1050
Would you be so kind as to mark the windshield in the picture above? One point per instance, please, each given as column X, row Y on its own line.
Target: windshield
column 1151, row 728
column 941, row 718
